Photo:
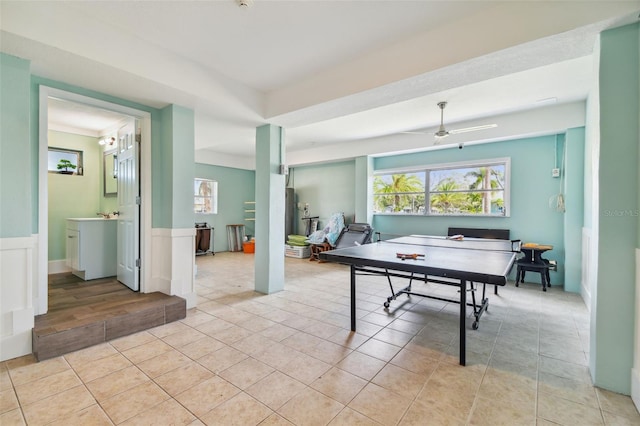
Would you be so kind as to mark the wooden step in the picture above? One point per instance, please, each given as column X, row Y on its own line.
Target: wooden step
column 83, row 314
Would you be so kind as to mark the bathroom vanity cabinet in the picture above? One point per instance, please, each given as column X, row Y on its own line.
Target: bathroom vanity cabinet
column 92, row 247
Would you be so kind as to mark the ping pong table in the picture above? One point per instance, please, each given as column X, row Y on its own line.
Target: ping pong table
column 440, row 260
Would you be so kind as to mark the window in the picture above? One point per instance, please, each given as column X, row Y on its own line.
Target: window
column 62, row 160
column 205, row 194
column 479, row 188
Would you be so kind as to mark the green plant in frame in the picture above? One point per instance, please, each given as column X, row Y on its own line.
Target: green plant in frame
column 64, row 165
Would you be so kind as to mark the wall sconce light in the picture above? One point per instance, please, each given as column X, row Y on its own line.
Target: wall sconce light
column 109, row 141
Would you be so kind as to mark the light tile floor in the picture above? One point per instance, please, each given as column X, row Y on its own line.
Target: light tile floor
column 288, row 358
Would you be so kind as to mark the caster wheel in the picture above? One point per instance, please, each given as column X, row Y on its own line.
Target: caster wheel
column 386, row 304
column 475, row 325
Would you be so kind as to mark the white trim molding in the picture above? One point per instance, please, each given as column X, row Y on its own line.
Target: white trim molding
column 41, row 293
column 173, row 263
column 585, row 282
column 635, row 371
column 18, row 259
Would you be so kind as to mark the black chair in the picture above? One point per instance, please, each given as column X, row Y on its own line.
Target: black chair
column 354, row 234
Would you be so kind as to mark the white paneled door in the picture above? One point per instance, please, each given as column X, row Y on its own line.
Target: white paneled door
column 129, row 205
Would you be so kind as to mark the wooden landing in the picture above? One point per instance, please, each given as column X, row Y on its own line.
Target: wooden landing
column 86, row 313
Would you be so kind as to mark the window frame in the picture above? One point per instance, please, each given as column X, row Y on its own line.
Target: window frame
column 213, row 197
column 78, row 171
column 426, row 169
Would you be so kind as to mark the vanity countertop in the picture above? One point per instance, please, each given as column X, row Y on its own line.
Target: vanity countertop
column 89, row 219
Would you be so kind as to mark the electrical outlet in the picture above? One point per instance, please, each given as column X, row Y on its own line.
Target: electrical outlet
column 555, row 172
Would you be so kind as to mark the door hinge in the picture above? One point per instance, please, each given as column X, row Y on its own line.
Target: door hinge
column 138, row 263
column 138, row 200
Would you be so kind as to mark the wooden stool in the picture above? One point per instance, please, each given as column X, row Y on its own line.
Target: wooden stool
column 541, row 268
column 317, row 249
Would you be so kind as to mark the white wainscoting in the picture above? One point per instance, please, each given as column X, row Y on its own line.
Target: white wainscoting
column 585, row 283
column 17, row 263
column 172, row 263
column 635, row 371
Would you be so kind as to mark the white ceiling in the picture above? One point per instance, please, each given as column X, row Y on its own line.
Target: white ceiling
column 352, row 73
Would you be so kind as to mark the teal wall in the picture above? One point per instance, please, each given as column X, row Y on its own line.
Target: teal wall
column 172, row 168
column 573, row 189
column 182, row 148
column 72, row 195
column 532, row 186
column 16, row 155
column 613, row 310
column 328, row 188
column 331, row 187
column 162, row 171
column 235, row 186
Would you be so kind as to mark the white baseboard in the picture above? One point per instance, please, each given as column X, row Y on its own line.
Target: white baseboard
column 635, row 372
column 635, row 387
column 585, row 282
column 58, row 267
column 586, row 296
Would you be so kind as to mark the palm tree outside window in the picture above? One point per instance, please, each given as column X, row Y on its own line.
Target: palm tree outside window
column 460, row 189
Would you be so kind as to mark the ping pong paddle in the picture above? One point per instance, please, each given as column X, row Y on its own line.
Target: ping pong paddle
column 404, row 256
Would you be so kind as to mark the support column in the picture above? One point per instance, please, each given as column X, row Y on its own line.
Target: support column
column 364, row 189
column 573, row 171
column 613, row 309
column 270, row 209
column 173, row 234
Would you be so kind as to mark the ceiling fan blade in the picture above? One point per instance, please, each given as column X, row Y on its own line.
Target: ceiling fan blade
column 415, row 133
column 473, row 129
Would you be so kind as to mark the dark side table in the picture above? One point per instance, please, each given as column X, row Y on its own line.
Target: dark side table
column 533, row 261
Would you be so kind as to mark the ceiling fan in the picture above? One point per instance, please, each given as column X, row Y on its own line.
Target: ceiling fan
column 443, row 132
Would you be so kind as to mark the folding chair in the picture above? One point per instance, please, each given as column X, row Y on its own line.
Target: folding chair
column 353, row 234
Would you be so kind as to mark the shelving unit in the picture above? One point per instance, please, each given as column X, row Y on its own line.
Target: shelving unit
column 250, row 217
column 250, row 209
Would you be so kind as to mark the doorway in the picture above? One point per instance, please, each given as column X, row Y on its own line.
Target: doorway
column 49, row 96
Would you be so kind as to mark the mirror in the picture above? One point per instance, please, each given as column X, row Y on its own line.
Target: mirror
column 110, row 173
